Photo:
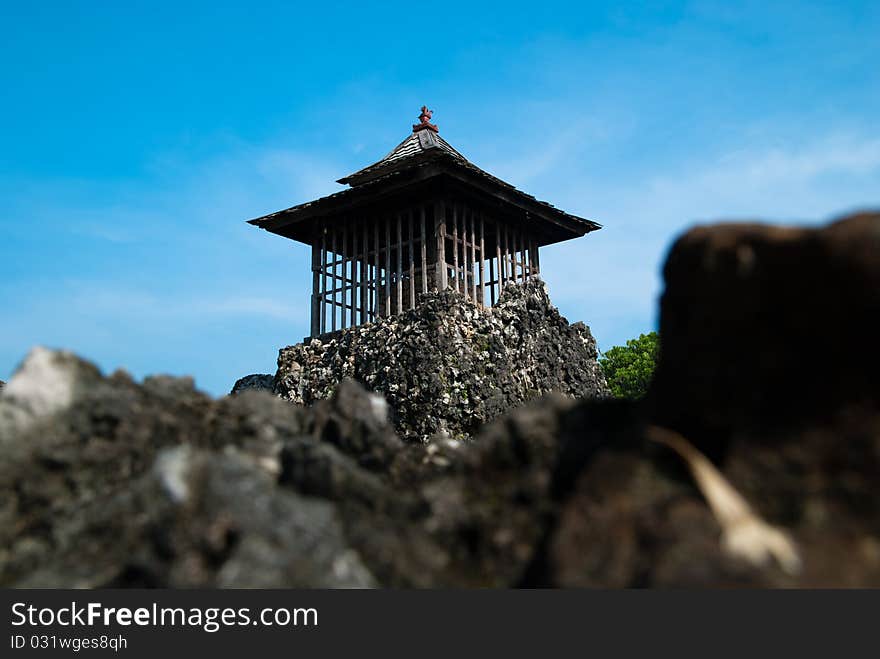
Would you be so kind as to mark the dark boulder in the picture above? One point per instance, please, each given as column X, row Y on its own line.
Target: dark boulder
column 765, row 326
column 258, row 381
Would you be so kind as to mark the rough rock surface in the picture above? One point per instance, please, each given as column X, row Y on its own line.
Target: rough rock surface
column 107, row 482
column 448, row 367
column 768, row 326
column 258, row 381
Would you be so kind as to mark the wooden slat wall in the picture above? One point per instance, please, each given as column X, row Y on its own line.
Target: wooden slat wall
column 424, row 250
column 399, row 272
column 364, row 261
column 368, row 263
column 455, row 245
column 482, row 264
column 388, row 266
column 333, row 285
column 377, row 272
column 411, row 257
column 473, row 262
column 440, row 233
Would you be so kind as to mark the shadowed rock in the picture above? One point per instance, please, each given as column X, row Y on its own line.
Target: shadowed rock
column 259, row 381
column 107, row 482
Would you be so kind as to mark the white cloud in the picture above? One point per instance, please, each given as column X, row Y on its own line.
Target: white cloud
column 611, row 279
column 805, row 182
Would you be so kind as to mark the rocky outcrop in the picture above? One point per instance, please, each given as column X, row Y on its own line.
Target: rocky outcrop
column 257, row 381
column 448, row 367
column 768, row 327
column 108, row 482
column 765, row 367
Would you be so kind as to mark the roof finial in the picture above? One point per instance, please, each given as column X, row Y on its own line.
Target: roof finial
column 424, row 121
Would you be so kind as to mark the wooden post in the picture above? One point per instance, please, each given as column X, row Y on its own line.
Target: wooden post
column 498, row 262
column 344, row 273
column 511, row 253
column 388, row 266
column 333, row 285
column 374, row 303
column 492, row 282
column 440, row 233
column 424, row 251
column 536, row 258
column 471, row 274
column 455, row 247
column 531, row 258
column 522, row 254
column 464, row 254
column 411, row 247
column 508, row 239
column 354, row 273
column 482, row 265
column 514, row 243
column 316, row 310
column 514, row 263
column 399, row 265
column 323, row 279
column 506, row 250
column 364, row 267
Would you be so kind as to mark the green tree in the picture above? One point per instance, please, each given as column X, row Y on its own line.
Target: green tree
column 629, row 369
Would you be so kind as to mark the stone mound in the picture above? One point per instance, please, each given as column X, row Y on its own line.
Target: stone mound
column 449, row 367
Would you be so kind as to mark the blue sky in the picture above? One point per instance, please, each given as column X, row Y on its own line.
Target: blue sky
column 136, row 138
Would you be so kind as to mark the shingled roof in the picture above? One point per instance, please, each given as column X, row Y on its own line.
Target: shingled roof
column 423, row 155
column 416, row 145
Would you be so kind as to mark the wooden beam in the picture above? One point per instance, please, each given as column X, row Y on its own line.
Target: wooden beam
column 333, row 248
column 388, row 266
column 354, row 273
column 482, row 264
column 471, row 274
column 506, row 268
column 531, row 258
column 514, row 262
column 498, row 263
column 315, row 327
column 399, row 265
column 287, row 222
column 344, row 273
column 492, row 281
column 411, row 248
column 374, row 303
column 440, row 233
column 455, row 247
column 424, row 250
column 323, row 279
column 364, row 263
column 465, row 287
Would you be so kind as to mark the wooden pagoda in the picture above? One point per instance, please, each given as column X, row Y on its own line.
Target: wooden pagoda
column 422, row 218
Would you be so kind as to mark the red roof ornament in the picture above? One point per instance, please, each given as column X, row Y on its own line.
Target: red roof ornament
column 424, row 121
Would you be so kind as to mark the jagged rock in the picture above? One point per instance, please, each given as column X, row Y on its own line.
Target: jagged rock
column 107, row 482
column 448, row 367
column 766, row 366
column 765, row 326
column 90, row 499
column 258, row 381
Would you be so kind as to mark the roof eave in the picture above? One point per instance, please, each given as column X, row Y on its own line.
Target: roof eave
column 444, row 164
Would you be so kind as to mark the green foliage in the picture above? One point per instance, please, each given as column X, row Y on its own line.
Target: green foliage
column 629, row 369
